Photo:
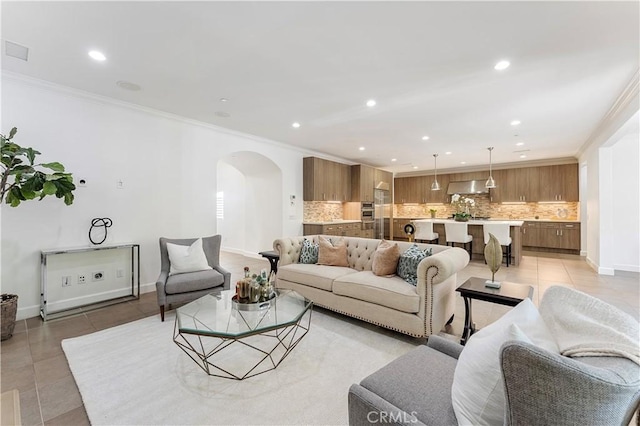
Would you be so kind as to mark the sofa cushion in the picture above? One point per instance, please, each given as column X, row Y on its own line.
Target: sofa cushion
column 385, row 259
column 319, row 276
column 332, row 254
column 408, row 263
column 309, row 252
column 392, row 292
column 193, row 281
column 418, row 382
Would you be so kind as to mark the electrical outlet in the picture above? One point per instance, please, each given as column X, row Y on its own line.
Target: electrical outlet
column 119, row 273
column 66, row 281
column 82, row 279
column 97, row 276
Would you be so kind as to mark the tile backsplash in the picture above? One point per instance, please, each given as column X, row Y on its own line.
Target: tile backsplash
column 320, row 211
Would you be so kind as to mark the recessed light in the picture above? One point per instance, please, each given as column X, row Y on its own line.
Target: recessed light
column 371, row 103
column 224, row 100
column 98, row 56
column 502, row 65
column 463, row 162
column 448, row 153
column 393, row 160
column 295, row 125
column 425, row 138
column 520, row 144
column 361, row 148
column 523, row 156
column 515, row 122
column 415, row 167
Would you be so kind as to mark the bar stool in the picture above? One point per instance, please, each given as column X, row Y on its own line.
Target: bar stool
column 457, row 232
column 500, row 230
column 424, row 231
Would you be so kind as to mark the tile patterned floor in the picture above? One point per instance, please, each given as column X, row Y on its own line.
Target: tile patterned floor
column 32, row 361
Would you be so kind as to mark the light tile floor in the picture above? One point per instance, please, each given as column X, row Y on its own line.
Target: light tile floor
column 33, row 362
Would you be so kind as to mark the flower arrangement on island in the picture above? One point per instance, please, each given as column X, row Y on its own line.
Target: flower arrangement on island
column 463, row 205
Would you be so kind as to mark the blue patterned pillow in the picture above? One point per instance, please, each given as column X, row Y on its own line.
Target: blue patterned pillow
column 408, row 263
column 309, row 252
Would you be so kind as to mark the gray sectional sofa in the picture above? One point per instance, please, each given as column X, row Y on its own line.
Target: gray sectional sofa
column 389, row 302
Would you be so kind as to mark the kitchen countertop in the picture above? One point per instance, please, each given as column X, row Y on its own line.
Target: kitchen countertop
column 332, row 222
column 511, row 222
column 498, row 219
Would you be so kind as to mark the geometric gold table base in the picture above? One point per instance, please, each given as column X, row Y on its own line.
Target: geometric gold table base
column 247, row 356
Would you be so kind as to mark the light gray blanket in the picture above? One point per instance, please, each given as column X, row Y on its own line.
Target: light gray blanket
column 585, row 326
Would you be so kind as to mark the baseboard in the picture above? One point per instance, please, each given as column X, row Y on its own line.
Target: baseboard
column 627, row 268
column 583, row 253
column 600, row 269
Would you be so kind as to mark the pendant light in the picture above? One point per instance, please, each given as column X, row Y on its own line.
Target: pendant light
column 490, row 182
column 435, row 186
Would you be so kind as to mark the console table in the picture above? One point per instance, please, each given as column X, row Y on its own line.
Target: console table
column 84, row 278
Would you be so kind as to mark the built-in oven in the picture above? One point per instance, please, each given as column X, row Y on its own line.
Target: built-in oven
column 367, row 215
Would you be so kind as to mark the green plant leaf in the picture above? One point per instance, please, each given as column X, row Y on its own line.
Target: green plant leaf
column 55, row 166
column 68, row 198
column 21, row 169
column 12, row 133
column 28, row 194
column 31, row 155
column 49, row 188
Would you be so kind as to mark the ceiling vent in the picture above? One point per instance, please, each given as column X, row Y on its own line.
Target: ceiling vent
column 15, row 50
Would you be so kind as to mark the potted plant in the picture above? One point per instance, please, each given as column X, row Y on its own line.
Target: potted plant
column 462, row 206
column 433, row 213
column 22, row 179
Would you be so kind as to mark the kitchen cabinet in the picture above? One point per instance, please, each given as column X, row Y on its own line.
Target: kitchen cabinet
column 398, row 229
column 383, row 179
column 362, row 182
column 551, row 236
column 436, row 196
column 325, row 180
column 407, row 190
column 516, row 185
column 558, row 183
column 350, row 229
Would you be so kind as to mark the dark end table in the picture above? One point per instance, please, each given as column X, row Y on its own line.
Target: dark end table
column 273, row 257
column 509, row 294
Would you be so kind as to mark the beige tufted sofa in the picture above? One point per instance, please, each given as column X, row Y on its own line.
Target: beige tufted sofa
column 389, row 302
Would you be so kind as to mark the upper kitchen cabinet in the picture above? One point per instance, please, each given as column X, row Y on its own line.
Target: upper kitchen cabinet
column 439, row 196
column 362, row 183
column 559, row 183
column 516, row 185
column 325, row 180
column 407, row 190
column 383, row 179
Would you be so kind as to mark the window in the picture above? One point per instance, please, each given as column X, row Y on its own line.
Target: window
column 220, row 205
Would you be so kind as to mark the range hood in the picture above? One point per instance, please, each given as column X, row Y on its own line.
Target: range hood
column 467, row 187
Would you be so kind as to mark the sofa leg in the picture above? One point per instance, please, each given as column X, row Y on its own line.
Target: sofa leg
column 162, row 312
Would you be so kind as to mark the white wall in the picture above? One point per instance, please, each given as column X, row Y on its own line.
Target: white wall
column 167, row 164
column 612, row 201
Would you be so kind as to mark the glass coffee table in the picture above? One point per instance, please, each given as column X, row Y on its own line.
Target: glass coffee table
column 237, row 341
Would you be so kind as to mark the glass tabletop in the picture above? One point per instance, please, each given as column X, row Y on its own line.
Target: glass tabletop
column 216, row 315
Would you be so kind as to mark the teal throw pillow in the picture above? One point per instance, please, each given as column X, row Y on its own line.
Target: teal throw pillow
column 309, row 252
column 408, row 263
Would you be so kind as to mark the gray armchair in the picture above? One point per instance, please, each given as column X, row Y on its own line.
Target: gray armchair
column 189, row 286
column 541, row 388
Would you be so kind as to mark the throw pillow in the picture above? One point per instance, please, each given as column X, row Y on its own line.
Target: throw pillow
column 477, row 392
column 385, row 259
column 408, row 263
column 309, row 252
column 187, row 258
column 332, row 254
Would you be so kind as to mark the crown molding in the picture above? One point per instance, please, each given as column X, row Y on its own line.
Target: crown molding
column 100, row 99
column 623, row 108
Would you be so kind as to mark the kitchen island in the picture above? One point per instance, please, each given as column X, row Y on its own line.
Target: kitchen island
column 475, row 230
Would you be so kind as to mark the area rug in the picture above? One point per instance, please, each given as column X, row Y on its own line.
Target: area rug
column 134, row 374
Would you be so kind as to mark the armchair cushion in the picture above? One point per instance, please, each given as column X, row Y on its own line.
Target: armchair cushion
column 478, row 394
column 193, row 281
column 187, row 258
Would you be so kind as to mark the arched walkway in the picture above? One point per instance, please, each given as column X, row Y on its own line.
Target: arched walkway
column 249, row 191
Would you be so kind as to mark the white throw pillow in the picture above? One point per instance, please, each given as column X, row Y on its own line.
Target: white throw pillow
column 187, row 258
column 477, row 392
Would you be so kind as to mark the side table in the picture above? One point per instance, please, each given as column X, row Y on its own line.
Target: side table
column 273, row 257
column 509, row 294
